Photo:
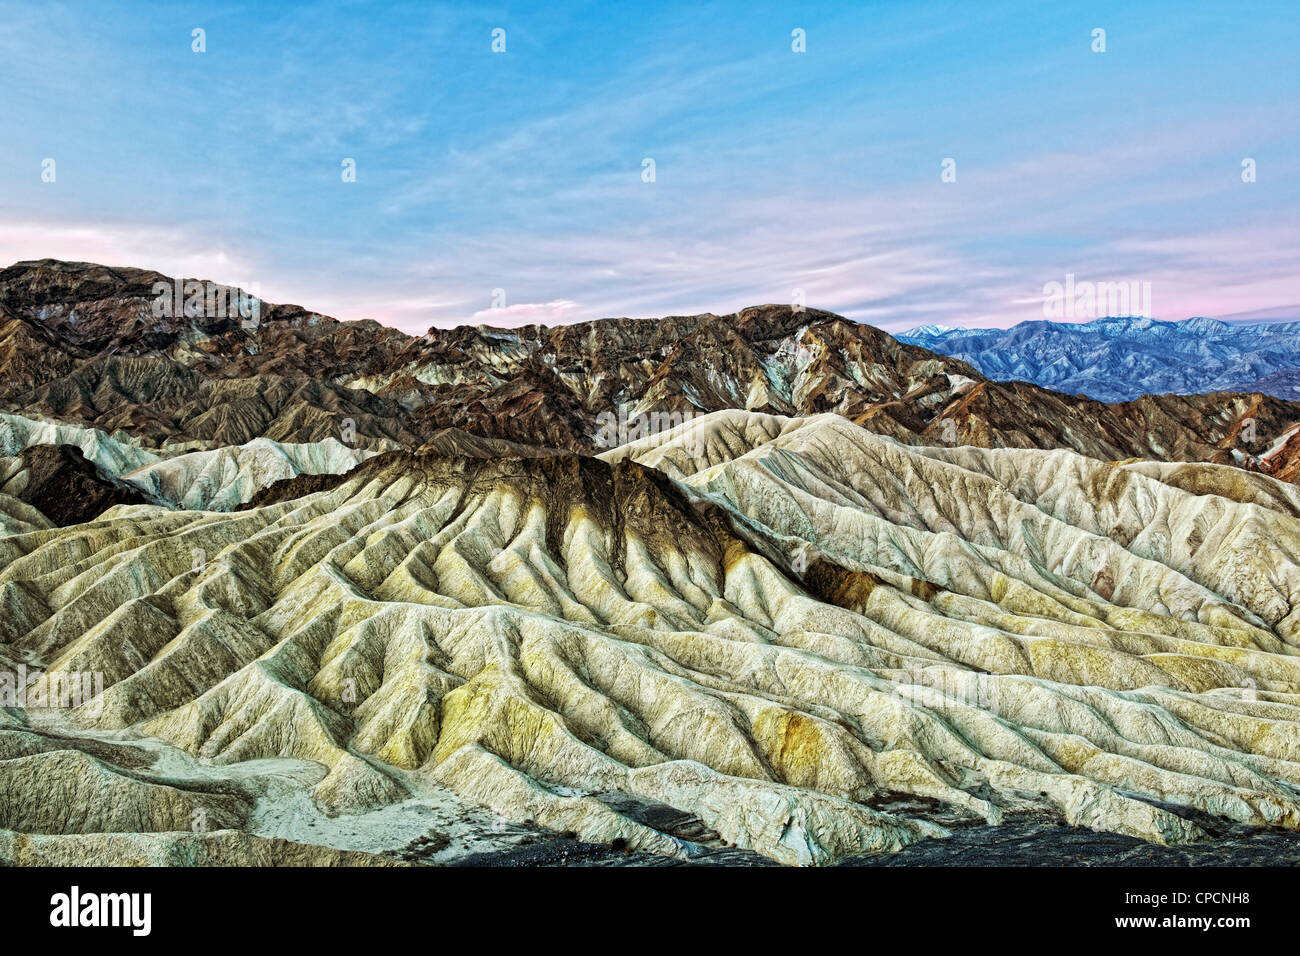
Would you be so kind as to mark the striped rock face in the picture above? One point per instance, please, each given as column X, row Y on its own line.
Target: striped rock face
column 810, row 640
column 84, row 344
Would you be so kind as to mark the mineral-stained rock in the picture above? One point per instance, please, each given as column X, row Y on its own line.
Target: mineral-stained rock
column 59, row 482
column 221, row 848
column 82, row 471
column 287, row 489
column 814, row 641
column 224, row 478
column 859, row 596
column 82, row 343
column 85, row 795
column 18, row 517
column 450, row 442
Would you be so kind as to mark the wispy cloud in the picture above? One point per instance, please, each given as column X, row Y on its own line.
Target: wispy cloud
column 530, row 313
column 774, row 171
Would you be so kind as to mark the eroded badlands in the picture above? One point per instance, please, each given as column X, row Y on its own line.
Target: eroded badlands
column 812, row 640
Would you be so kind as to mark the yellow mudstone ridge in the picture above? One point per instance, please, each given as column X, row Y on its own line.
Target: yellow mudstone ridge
column 787, row 628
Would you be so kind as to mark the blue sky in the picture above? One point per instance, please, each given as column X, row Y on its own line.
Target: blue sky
column 774, row 170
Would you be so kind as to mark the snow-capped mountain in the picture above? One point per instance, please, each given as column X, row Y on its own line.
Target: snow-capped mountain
column 1117, row 359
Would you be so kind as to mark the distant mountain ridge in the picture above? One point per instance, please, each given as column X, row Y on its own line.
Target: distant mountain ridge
column 86, row 345
column 1119, row 359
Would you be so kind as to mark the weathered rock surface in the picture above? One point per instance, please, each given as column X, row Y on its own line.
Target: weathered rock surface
column 224, row 478
column 18, row 517
column 59, row 482
column 92, row 471
column 80, row 343
column 870, row 599
column 223, row 848
column 794, row 636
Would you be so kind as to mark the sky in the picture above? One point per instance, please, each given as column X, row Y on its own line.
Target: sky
column 512, row 187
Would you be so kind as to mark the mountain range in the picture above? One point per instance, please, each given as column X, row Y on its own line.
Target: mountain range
column 763, row 587
column 1120, row 359
column 81, row 344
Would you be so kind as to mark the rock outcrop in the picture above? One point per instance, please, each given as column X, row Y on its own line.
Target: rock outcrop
column 59, row 482
column 81, row 343
column 314, row 592
column 91, row 467
column 815, row 641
